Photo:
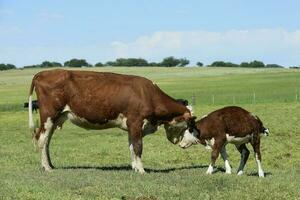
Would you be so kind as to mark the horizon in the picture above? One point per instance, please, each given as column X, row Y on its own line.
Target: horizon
column 232, row 31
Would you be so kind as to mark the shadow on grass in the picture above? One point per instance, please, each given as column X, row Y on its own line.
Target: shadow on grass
column 256, row 174
column 128, row 168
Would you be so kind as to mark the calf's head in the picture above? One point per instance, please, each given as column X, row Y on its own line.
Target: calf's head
column 177, row 128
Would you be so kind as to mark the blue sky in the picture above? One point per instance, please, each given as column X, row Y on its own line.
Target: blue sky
column 231, row 30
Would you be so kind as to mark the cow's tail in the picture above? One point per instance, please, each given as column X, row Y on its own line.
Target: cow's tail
column 30, row 116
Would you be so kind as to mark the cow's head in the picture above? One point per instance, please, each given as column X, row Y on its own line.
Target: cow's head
column 177, row 128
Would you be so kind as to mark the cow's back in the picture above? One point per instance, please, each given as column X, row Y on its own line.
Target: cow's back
column 95, row 96
column 231, row 120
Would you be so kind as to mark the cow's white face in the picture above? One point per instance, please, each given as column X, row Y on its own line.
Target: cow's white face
column 175, row 131
column 189, row 138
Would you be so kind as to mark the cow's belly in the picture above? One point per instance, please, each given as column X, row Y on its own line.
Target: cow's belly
column 238, row 140
column 119, row 122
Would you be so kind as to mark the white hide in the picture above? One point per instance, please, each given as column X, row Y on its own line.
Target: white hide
column 188, row 139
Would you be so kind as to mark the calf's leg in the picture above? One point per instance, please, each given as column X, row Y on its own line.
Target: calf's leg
column 225, row 158
column 217, row 146
column 244, row 157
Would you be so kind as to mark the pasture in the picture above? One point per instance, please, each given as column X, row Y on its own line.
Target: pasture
column 96, row 164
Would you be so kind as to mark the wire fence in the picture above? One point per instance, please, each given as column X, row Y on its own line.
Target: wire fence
column 250, row 98
column 209, row 99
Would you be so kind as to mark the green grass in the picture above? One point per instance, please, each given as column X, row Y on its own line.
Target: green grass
column 95, row 164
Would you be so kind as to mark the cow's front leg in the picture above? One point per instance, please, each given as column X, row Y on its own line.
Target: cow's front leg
column 256, row 147
column 136, row 145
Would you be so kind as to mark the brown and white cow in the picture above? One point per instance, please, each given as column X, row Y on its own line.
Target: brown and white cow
column 228, row 125
column 101, row 100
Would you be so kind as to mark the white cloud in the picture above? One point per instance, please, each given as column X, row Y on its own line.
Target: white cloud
column 268, row 45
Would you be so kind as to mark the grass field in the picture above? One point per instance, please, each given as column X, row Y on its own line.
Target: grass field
column 95, row 164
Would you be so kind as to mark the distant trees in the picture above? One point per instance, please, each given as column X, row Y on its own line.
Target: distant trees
column 170, row 61
column 252, row 64
column 77, row 63
column 199, row 64
column 6, row 66
column 99, row 64
column 45, row 64
column 223, row 64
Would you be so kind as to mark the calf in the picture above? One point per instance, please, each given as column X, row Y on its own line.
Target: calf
column 229, row 125
column 101, row 100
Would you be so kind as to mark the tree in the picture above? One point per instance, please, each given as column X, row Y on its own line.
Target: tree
column 223, row 64
column 170, row 62
column 199, row 64
column 244, row 64
column 273, row 66
column 7, row 66
column 110, row 63
column 256, row 64
column 76, row 63
column 99, row 64
column 183, row 62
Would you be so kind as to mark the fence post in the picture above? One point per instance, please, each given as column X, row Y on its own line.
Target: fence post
column 254, row 98
column 193, row 99
column 213, row 99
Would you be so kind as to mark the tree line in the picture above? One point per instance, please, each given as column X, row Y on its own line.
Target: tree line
column 140, row 62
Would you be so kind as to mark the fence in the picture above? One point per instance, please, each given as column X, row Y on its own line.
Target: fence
column 210, row 99
column 250, row 98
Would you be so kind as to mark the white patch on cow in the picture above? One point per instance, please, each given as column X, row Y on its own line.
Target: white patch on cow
column 190, row 108
column 148, row 128
column 266, row 132
column 210, row 143
column 119, row 122
column 240, row 173
column 139, row 165
column 225, row 158
column 31, row 124
column 188, row 139
column 136, row 163
column 43, row 143
column 132, row 154
column 238, row 140
column 227, row 167
column 210, row 169
column 260, row 170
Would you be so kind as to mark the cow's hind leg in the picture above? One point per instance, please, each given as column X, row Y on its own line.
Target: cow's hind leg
column 225, row 158
column 43, row 141
column 136, row 146
column 244, row 157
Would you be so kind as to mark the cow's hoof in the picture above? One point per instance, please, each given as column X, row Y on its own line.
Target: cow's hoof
column 210, row 170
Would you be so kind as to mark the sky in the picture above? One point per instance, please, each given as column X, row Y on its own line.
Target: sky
column 32, row 31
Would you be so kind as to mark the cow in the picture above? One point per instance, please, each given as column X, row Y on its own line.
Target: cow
column 35, row 105
column 101, row 100
column 183, row 101
column 230, row 124
column 186, row 103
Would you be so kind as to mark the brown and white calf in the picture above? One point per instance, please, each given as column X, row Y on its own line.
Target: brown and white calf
column 101, row 100
column 229, row 125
